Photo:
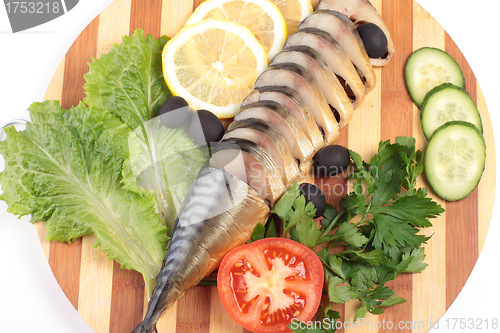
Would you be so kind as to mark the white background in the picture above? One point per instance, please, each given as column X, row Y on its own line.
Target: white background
column 31, row 300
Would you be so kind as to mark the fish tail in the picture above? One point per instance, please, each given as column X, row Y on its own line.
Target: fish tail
column 141, row 328
column 219, row 213
column 164, row 295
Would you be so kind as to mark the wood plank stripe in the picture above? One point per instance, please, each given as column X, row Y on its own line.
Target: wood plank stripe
column 114, row 22
column 397, row 120
column 486, row 192
column 334, row 188
column 461, row 216
column 427, row 32
column 193, row 311
column 167, row 322
column 54, row 91
column 397, row 107
column 96, row 283
column 67, row 274
column 196, row 3
column 174, row 14
column 79, row 54
column 470, row 80
column 220, row 321
column 97, row 270
column 126, row 300
column 146, row 16
column 461, row 243
column 41, row 230
column 75, row 66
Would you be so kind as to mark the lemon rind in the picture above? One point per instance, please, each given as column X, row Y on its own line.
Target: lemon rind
column 170, row 76
column 280, row 26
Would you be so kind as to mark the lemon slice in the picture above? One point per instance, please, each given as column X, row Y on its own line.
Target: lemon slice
column 213, row 64
column 294, row 11
column 262, row 17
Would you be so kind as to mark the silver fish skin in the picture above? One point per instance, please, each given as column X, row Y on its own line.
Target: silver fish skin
column 218, row 214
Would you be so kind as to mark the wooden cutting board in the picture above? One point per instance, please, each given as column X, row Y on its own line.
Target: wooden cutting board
column 113, row 300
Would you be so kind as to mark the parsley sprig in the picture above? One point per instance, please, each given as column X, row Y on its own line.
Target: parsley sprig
column 376, row 227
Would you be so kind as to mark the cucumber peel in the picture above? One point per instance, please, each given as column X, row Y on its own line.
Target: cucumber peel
column 455, row 160
column 429, row 67
column 448, row 102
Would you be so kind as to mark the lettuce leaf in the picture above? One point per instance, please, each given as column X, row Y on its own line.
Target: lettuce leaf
column 128, row 80
column 66, row 168
column 163, row 163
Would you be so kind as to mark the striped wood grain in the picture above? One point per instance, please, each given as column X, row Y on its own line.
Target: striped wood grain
column 113, row 300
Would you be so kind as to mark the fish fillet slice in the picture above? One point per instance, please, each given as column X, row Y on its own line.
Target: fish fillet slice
column 292, row 102
column 271, row 141
column 296, row 77
column 324, row 77
column 336, row 58
column 273, row 114
column 359, row 12
column 252, row 164
column 344, row 32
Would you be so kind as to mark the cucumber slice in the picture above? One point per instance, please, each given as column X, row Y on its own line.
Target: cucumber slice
column 427, row 68
column 455, row 159
column 445, row 103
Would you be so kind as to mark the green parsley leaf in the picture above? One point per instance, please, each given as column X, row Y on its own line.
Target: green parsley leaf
column 337, row 293
column 374, row 231
column 259, row 232
column 346, row 233
column 417, row 256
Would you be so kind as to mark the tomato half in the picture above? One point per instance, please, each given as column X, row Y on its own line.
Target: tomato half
column 264, row 285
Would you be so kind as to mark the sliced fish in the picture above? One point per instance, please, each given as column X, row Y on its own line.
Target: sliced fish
column 269, row 145
column 292, row 102
column 219, row 213
column 344, row 32
column 359, row 12
column 296, row 77
column 275, row 115
column 267, row 137
column 324, row 77
column 249, row 162
column 337, row 60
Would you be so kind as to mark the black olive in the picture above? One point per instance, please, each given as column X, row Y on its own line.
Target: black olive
column 313, row 194
column 204, row 127
column 374, row 40
column 331, row 160
column 175, row 112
